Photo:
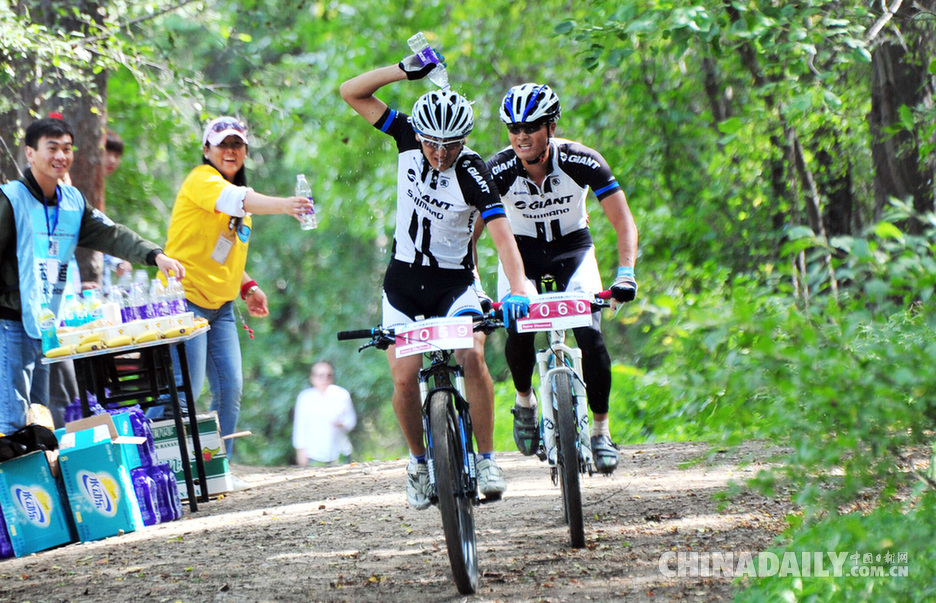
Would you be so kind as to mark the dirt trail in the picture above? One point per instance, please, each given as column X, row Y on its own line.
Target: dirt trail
column 347, row 534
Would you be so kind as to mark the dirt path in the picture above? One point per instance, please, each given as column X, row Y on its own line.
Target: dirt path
column 347, row 534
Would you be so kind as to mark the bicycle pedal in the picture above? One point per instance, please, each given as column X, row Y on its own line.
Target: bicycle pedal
column 490, row 498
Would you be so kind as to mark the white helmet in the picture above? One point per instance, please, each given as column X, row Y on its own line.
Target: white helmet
column 442, row 114
column 530, row 103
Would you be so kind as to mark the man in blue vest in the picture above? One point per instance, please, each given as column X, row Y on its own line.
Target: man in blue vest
column 41, row 223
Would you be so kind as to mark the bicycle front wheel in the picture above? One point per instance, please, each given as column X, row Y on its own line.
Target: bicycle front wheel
column 455, row 502
column 568, row 458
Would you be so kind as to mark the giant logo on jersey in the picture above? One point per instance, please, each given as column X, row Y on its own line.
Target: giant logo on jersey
column 544, row 203
column 482, row 183
column 583, row 159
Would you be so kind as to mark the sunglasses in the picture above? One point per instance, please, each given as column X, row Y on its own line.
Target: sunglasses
column 525, row 128
column 232, row 125
column 440, row 145
column 235, row 145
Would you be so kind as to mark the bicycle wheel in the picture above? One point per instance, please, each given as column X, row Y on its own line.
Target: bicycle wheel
column 568, row 457
column 455, row 503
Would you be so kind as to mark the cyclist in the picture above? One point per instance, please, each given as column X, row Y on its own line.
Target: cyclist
column 543, row 182
column 442, row 189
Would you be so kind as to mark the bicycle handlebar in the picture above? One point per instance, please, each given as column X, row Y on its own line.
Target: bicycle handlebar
column 383, row 337
column 600, row 301
column 358, row 334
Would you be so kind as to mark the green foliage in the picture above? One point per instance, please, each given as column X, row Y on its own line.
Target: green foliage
column 837, row 383
column 695, row 109
column 890, row 529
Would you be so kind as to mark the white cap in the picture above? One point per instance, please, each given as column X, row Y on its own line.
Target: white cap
column 220, row 128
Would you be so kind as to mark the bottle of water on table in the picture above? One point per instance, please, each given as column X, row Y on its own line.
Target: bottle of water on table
column 47, row 328
column 175, row 293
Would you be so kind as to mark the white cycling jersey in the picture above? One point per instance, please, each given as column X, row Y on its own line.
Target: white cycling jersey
column 436, row 211
column 558, row 208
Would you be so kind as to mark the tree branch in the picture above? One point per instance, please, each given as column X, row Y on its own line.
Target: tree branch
column 131, row 23
column 882, row 20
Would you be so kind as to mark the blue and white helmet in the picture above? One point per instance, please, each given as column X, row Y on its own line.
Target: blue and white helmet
column 442, row 114
column 528, row 103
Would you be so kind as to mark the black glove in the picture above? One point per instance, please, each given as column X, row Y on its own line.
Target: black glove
column 414, row 69
column 486, row 302
column 624, row 288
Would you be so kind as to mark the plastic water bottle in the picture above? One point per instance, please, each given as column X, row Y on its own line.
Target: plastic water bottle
column 73, row 312
column 112, row 310
column 175, row 294
column 167, row 491
column 47, row 328
column 139, row 299
column 145, row 488
column 157, row 298
column 6, row 547
column 92, row 304
column 309, row 220
column 126, row 309
column 420, row 46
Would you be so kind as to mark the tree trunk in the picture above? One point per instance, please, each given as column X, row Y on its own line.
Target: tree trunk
column 84, row 108
column 900, row 79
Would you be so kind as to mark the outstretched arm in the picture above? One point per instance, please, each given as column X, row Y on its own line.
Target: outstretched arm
column 257, row 203
column 359, row 91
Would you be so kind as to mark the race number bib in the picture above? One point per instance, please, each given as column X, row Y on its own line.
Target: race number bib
column 454, row 333
column 557, row 312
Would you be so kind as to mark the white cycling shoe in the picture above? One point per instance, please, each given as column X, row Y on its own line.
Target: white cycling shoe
column 418, row 490
column 490, row 478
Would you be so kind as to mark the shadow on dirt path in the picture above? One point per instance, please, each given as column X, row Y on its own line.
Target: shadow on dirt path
column 347, row 534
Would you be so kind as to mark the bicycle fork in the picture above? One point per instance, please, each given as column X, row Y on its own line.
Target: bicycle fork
column 551, row 363
column 464, row 435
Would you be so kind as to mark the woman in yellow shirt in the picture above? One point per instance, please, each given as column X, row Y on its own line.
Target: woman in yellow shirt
column 210, row 232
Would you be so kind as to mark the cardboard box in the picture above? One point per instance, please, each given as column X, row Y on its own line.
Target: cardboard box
column 213, row 452
column 94, row 461
column 37, row 517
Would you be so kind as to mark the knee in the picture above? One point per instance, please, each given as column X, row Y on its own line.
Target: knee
column 472, row 360
column 405, row 383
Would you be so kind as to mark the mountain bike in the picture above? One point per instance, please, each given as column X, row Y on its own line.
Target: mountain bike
column 450, row 451
column 565, row 442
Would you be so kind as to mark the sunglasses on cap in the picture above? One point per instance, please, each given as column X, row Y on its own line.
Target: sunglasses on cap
column 229, row 125
column 526, row 128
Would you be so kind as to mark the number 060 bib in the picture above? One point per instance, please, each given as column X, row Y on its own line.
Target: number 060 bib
column 557, row 312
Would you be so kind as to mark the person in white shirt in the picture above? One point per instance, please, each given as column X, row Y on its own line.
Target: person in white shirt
column 323, row 417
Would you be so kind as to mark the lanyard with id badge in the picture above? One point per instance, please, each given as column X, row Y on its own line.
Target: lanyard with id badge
column 47, row 259
column 236, row 228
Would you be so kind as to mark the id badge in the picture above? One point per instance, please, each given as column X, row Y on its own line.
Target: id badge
column 222, row 249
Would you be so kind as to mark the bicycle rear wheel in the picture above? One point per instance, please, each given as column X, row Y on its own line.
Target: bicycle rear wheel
column 455, row 502
column 568, row 458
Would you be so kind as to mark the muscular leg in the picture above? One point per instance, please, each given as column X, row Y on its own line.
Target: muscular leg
column 406, row 403
column 479, row 389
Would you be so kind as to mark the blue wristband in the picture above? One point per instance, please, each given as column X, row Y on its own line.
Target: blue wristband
column 625, row 271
